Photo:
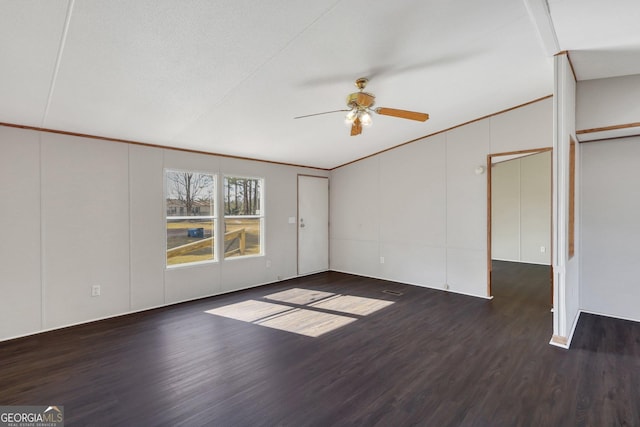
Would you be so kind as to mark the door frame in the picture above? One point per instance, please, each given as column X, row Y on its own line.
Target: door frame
column 519, row 154
column 298, row 219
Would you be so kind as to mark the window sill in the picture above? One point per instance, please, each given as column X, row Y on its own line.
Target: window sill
column 237, row 258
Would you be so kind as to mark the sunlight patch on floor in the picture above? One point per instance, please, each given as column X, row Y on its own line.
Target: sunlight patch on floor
column 299, row 296
column 250, row 310
column 306, row 322
column 322, row 312
column 350, row 304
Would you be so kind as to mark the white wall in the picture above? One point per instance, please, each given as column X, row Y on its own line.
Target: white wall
column 421, row 206
column 20, row 276
column 521, row 209
column 609, row 245
column 78, row 212
column 85, row 228
column 608, row 102
column 611, row 228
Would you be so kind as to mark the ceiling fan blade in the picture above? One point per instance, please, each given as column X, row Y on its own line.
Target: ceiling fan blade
column 319, row 114
column 403, row 114
column 356, row 127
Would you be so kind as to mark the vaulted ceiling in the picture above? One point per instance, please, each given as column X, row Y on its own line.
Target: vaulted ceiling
column 228, row 77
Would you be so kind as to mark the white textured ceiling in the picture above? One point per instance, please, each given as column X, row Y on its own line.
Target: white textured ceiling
column 228, row 77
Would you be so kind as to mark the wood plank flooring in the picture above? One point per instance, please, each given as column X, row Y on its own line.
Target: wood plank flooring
column 429, row 359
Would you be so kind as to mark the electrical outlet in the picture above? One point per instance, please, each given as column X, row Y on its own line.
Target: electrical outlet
column 446, row 286
column 268, row 263
column 95, row 291
column 543, row 249
column 381, row 260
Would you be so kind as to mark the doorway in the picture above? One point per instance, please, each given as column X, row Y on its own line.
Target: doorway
column 313, row 224
column 519, row 217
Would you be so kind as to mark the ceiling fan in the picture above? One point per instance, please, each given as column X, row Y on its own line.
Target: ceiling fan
column 361, row 106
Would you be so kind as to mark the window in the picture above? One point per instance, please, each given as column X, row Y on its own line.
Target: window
column 191, row 217
column 243, row 216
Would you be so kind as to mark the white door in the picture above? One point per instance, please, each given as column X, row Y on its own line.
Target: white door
column 313, row 224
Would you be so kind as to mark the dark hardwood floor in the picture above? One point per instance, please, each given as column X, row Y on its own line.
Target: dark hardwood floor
column 430, row 359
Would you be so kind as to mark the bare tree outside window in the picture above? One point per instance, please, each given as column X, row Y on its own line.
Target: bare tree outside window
column 191, row 217
column 191, row 191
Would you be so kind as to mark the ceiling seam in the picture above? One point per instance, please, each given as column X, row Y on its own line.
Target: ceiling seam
column 258, row 68
column 54, row 76
column 540, row 16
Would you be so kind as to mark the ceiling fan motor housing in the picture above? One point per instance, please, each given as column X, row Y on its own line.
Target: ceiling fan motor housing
column 360, row 99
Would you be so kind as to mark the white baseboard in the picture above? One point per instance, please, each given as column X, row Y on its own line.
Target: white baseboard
column 522, row 262
column 126, row 313
column 557, row 341
column 422, row 285
column 610, row 315
column 565, row 342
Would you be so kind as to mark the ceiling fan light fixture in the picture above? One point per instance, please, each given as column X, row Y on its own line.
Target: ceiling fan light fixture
column 351, row 116
column 365, row 118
